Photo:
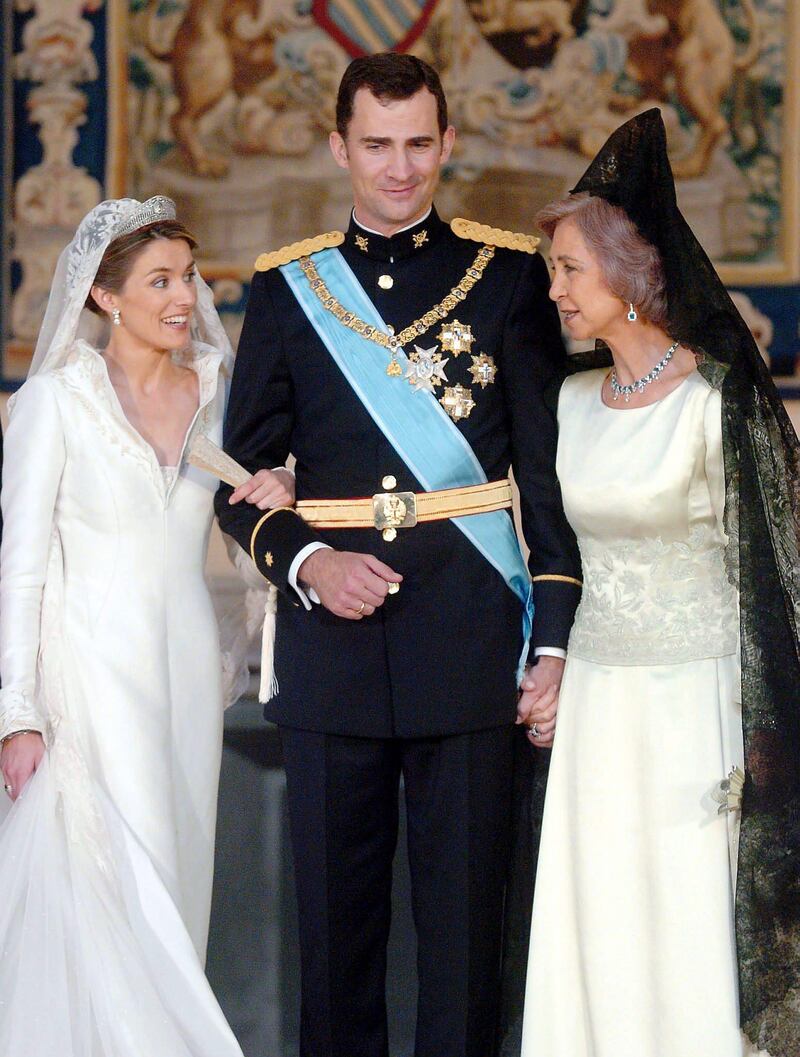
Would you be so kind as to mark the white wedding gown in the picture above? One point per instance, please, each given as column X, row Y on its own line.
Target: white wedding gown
column 632, row 950
column 109, row 643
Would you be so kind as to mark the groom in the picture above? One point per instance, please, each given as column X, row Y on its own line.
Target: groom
column 401, row 360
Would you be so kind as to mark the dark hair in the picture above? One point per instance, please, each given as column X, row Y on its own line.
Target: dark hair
column 388, row 76
column 121, row 254
column 631, row 265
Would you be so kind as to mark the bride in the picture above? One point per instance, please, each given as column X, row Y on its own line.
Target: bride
column 112, row 682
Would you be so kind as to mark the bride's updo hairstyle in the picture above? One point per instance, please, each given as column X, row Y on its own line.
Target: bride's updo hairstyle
column 631, row 266
column 119, row 258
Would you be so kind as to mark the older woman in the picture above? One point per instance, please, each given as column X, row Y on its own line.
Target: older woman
column 110, row 655
column 636, row 915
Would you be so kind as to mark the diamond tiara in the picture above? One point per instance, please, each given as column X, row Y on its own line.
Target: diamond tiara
column 154, row 209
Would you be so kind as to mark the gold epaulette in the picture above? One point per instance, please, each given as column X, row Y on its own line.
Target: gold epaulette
column 293, row 252
column 510, row 240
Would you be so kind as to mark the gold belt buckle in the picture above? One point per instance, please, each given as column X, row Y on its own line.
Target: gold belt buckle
column 394, row 510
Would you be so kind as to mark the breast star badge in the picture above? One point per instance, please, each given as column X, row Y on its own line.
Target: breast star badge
column 483, row 370
column 456, row 337
column 457, row 402
column 425, row 369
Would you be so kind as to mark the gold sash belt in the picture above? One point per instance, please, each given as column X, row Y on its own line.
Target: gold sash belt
column 395, row 510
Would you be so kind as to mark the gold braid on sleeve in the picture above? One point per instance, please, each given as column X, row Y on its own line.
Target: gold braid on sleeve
column 261, row 521
column 558, row 579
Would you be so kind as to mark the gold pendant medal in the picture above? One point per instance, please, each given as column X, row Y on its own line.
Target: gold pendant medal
column 394, row 369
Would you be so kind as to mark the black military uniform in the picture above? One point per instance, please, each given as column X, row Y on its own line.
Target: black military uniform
column 426, row 686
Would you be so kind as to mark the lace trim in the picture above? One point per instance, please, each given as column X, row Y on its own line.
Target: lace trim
column 652, row 601
column 18, row 711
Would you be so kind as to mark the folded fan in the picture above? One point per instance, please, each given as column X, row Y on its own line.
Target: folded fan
column 206, row 455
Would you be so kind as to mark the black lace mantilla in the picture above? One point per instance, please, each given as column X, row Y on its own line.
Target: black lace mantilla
column 762, row 514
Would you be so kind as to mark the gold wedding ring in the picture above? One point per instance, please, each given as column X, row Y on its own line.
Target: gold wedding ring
column 360, row 609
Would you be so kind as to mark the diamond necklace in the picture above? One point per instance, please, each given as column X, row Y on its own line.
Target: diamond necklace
column 639, row 386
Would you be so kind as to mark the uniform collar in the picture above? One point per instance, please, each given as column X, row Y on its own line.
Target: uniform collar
column 405, row 243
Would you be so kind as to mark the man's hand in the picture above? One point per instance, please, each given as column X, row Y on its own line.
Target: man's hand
column 267, row 489
column 349, row 585
column 538, row 702
column 19, row 758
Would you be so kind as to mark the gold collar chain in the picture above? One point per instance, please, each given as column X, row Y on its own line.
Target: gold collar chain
column 395, row 342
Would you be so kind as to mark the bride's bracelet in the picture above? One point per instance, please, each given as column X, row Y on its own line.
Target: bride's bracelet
column 16, row 734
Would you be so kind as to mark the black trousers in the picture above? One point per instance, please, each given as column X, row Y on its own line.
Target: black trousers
column 343, row 803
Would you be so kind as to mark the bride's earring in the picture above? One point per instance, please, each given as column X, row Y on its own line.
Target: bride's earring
column 115, row 316
column 632, row 314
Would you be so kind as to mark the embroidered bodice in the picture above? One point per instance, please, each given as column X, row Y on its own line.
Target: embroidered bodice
column 643, row 489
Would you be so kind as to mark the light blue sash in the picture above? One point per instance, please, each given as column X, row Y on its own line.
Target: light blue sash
column 414, row 423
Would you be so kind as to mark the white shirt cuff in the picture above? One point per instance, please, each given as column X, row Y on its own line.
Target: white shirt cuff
column 309, row 596
column 550, row 651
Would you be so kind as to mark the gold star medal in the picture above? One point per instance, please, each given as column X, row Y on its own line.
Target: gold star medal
column 457, row 402
column 425, row 369
column 456, row 337
column 483, row 370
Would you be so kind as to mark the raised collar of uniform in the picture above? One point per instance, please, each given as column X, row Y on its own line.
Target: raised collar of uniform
column 405, row 243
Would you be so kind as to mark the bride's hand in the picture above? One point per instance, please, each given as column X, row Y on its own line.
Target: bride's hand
column 267, row 489
column 538, row 701
column 19, row 758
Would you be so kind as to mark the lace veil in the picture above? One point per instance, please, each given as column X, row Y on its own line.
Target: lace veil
column 65, row 318
column 762, row 513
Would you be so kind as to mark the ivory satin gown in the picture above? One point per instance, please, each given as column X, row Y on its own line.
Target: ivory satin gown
column 107, row 634
column 632, row 950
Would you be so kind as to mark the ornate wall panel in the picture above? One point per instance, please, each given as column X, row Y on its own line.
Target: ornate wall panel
column 226, row 105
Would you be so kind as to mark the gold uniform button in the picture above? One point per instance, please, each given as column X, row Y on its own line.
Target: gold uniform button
column 389, row 534
column 385, row 282
column 389, row 482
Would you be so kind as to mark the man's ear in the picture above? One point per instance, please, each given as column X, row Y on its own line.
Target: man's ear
column 339, row 150
column 448, row 139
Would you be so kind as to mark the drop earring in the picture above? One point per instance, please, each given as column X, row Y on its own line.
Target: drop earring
column 117, row 319
column 632, row 314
